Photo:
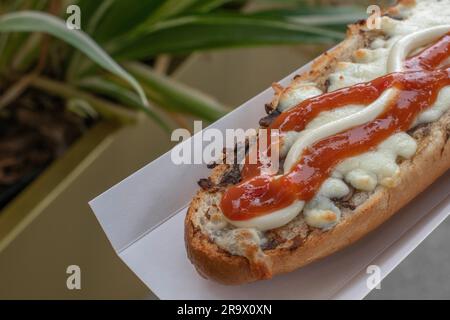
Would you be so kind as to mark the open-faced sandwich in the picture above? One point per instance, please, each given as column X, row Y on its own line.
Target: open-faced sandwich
column 361, row 134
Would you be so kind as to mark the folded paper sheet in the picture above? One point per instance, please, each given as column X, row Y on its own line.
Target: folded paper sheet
column 143, row 218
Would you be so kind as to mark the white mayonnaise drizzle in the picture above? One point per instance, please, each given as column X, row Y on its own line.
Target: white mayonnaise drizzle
column 404, row 46
column 332, row 128
column 272, row 220
column 321, row 212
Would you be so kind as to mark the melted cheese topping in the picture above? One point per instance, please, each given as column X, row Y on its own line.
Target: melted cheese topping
column 272, row 220
column 363, row 172
column 366, row 171
column 297, row 93
column 334, row 127
column 370, row 169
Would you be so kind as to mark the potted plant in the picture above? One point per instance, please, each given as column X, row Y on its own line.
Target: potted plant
column 64, row 91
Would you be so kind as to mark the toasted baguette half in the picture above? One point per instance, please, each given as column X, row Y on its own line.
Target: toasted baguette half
column 431, row 160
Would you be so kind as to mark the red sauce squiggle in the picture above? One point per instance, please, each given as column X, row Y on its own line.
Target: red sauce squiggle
column 257, row 194
column 431, row 57
column 298, row 117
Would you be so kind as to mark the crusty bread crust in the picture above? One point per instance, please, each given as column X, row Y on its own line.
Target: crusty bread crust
column 431, row 160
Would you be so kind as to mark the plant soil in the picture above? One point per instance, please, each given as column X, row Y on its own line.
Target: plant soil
column 34, row 130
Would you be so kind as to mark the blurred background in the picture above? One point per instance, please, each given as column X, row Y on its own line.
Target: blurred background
column 82, row 109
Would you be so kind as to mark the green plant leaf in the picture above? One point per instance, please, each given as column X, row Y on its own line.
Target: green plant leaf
column 208, row 5
column 29, row 21
column 123, row 95
column 168, row 9
column 11, row 43
column 108, row 109
column 122, row 17
column 174, row 95
column 88, row 9
column 316, row 15
column 307, row 9
column 93, row 12
column 201, row 32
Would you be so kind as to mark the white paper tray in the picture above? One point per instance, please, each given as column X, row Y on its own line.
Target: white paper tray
column 142, row 217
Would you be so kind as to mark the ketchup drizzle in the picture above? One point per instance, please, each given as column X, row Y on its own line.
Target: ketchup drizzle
column 418, row 87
